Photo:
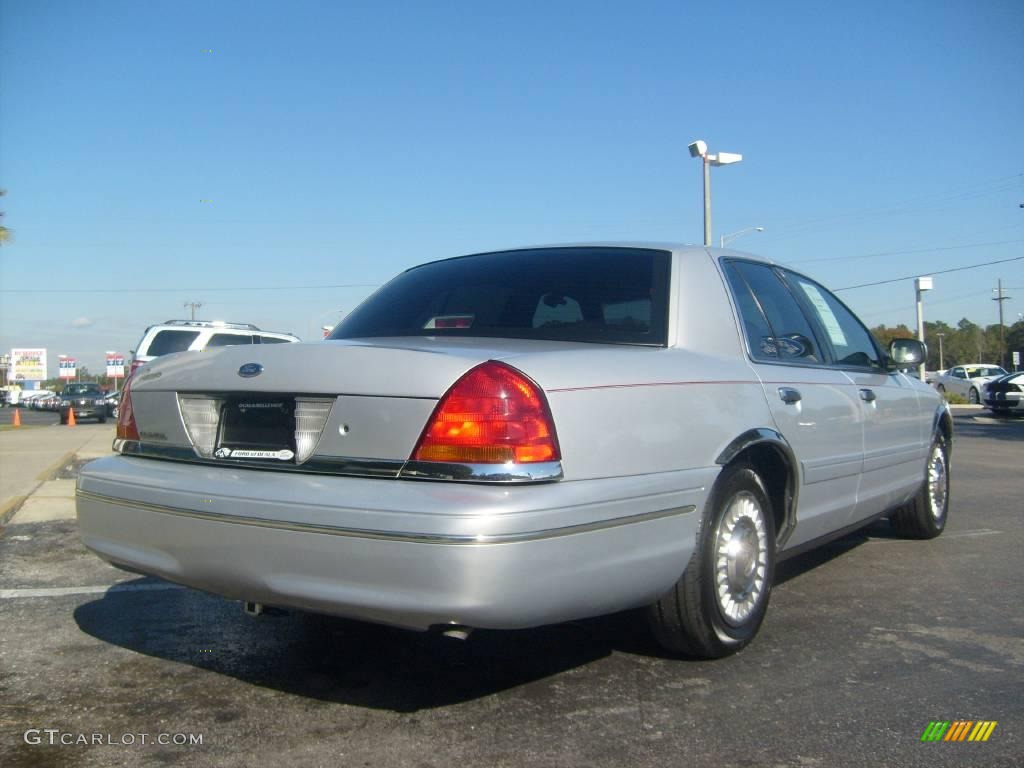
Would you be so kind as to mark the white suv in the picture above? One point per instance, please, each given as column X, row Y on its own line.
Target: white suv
column 184, row 335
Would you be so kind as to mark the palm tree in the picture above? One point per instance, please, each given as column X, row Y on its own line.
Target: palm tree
column 5, row 233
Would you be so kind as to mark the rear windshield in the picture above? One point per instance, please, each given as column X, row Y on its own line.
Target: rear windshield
column 605, row 295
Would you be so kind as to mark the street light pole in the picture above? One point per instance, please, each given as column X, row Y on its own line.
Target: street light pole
column 707, row 200
column 921, row 284
column 699, row 149
column 736, row 235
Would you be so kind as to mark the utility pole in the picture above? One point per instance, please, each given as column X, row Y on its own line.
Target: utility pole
column 1002, row 330
column 942, row 362
column 196, row 305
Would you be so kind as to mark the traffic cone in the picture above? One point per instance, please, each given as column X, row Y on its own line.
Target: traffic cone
column 16, row 420
column 71, row 417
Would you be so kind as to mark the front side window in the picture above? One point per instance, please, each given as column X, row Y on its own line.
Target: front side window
column 852, row 343
column 602, row 295
column 788, row 335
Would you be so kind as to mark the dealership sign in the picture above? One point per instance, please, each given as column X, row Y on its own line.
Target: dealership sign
column 67, row 367
column 28, row 364
column 115, row 365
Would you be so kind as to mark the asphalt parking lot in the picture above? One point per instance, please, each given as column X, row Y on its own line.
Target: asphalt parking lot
column 866, row 642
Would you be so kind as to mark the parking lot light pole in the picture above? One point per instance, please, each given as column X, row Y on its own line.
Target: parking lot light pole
column 921, row 284
column 699, row 149
column 737, row 235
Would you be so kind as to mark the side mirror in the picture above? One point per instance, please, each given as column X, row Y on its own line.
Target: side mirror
column 906, row 353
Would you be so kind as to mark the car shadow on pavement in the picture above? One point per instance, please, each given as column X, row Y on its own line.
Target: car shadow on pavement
column 332, row 659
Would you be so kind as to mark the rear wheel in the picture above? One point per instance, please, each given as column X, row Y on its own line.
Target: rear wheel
column 101, row 419
column 972, row 397
column 924, row 517
column 942, row 389
column 717, row 605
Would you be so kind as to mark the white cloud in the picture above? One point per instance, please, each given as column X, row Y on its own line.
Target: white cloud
column 81, row 322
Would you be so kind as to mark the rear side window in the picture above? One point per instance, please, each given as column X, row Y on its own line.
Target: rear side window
column 166, row 342
column 272, row 340
column 609, row 295
column 228, row 340
column 790, row 337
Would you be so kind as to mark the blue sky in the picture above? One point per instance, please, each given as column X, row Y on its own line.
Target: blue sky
column 340, row 142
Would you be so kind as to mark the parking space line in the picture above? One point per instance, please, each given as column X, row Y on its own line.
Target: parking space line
column 13, row 594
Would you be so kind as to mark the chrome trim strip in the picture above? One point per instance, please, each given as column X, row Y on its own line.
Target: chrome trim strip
column 360, row 467
column 321, row 465
column 487, row 473
column 414, row 538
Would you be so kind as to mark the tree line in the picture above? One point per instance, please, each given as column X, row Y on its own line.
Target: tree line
column 962, row 344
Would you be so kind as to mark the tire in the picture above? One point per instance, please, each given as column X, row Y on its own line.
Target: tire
column 700, row 616
column 924, row 516
column 972, row 397
column 942, row 389
column 63, row 419
column 101, row 419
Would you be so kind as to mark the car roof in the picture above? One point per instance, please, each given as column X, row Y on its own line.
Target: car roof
column 682, row 249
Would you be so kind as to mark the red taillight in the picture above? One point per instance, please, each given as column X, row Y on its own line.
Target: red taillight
column 492, row 415
column 126, row 429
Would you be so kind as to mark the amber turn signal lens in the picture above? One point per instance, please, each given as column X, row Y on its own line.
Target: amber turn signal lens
column 494, row 414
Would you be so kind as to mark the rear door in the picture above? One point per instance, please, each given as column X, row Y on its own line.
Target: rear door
column 815, row 406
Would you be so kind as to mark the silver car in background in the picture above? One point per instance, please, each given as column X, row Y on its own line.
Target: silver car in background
column 517, row 438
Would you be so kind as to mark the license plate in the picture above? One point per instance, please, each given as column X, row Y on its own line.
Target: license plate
column 257, row 428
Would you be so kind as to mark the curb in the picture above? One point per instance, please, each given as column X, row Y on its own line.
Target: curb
column 12, row 505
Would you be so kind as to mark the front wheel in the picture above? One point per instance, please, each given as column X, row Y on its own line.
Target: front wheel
column 719, row 602
column 924, row 516
column 972, row 397
column 942, row 389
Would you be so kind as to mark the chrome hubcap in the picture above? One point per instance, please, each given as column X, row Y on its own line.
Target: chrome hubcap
column 741, row 558
column 938, row 482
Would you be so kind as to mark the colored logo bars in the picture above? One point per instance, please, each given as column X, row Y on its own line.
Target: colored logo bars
column 958, row 730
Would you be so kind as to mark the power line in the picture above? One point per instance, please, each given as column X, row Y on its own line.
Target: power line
column 898, row 253
column 937, row 272
column 189, row 289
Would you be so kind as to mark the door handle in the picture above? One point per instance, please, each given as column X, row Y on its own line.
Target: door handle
column 868, row 395
column 789, row 396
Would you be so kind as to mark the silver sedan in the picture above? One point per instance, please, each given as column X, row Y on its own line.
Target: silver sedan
column 522, row 437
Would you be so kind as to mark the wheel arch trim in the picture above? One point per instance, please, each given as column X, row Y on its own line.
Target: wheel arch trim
column 767, row 437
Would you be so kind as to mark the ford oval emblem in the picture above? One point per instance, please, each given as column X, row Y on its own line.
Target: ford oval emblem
column 249, row 370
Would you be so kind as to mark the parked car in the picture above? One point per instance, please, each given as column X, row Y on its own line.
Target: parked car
column 183, row 335
column 967, row 380
column 112, row 400
column 85, row 399
column 511, row 439
column 1005, row 394
column 50, row 402
column 33, row 398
